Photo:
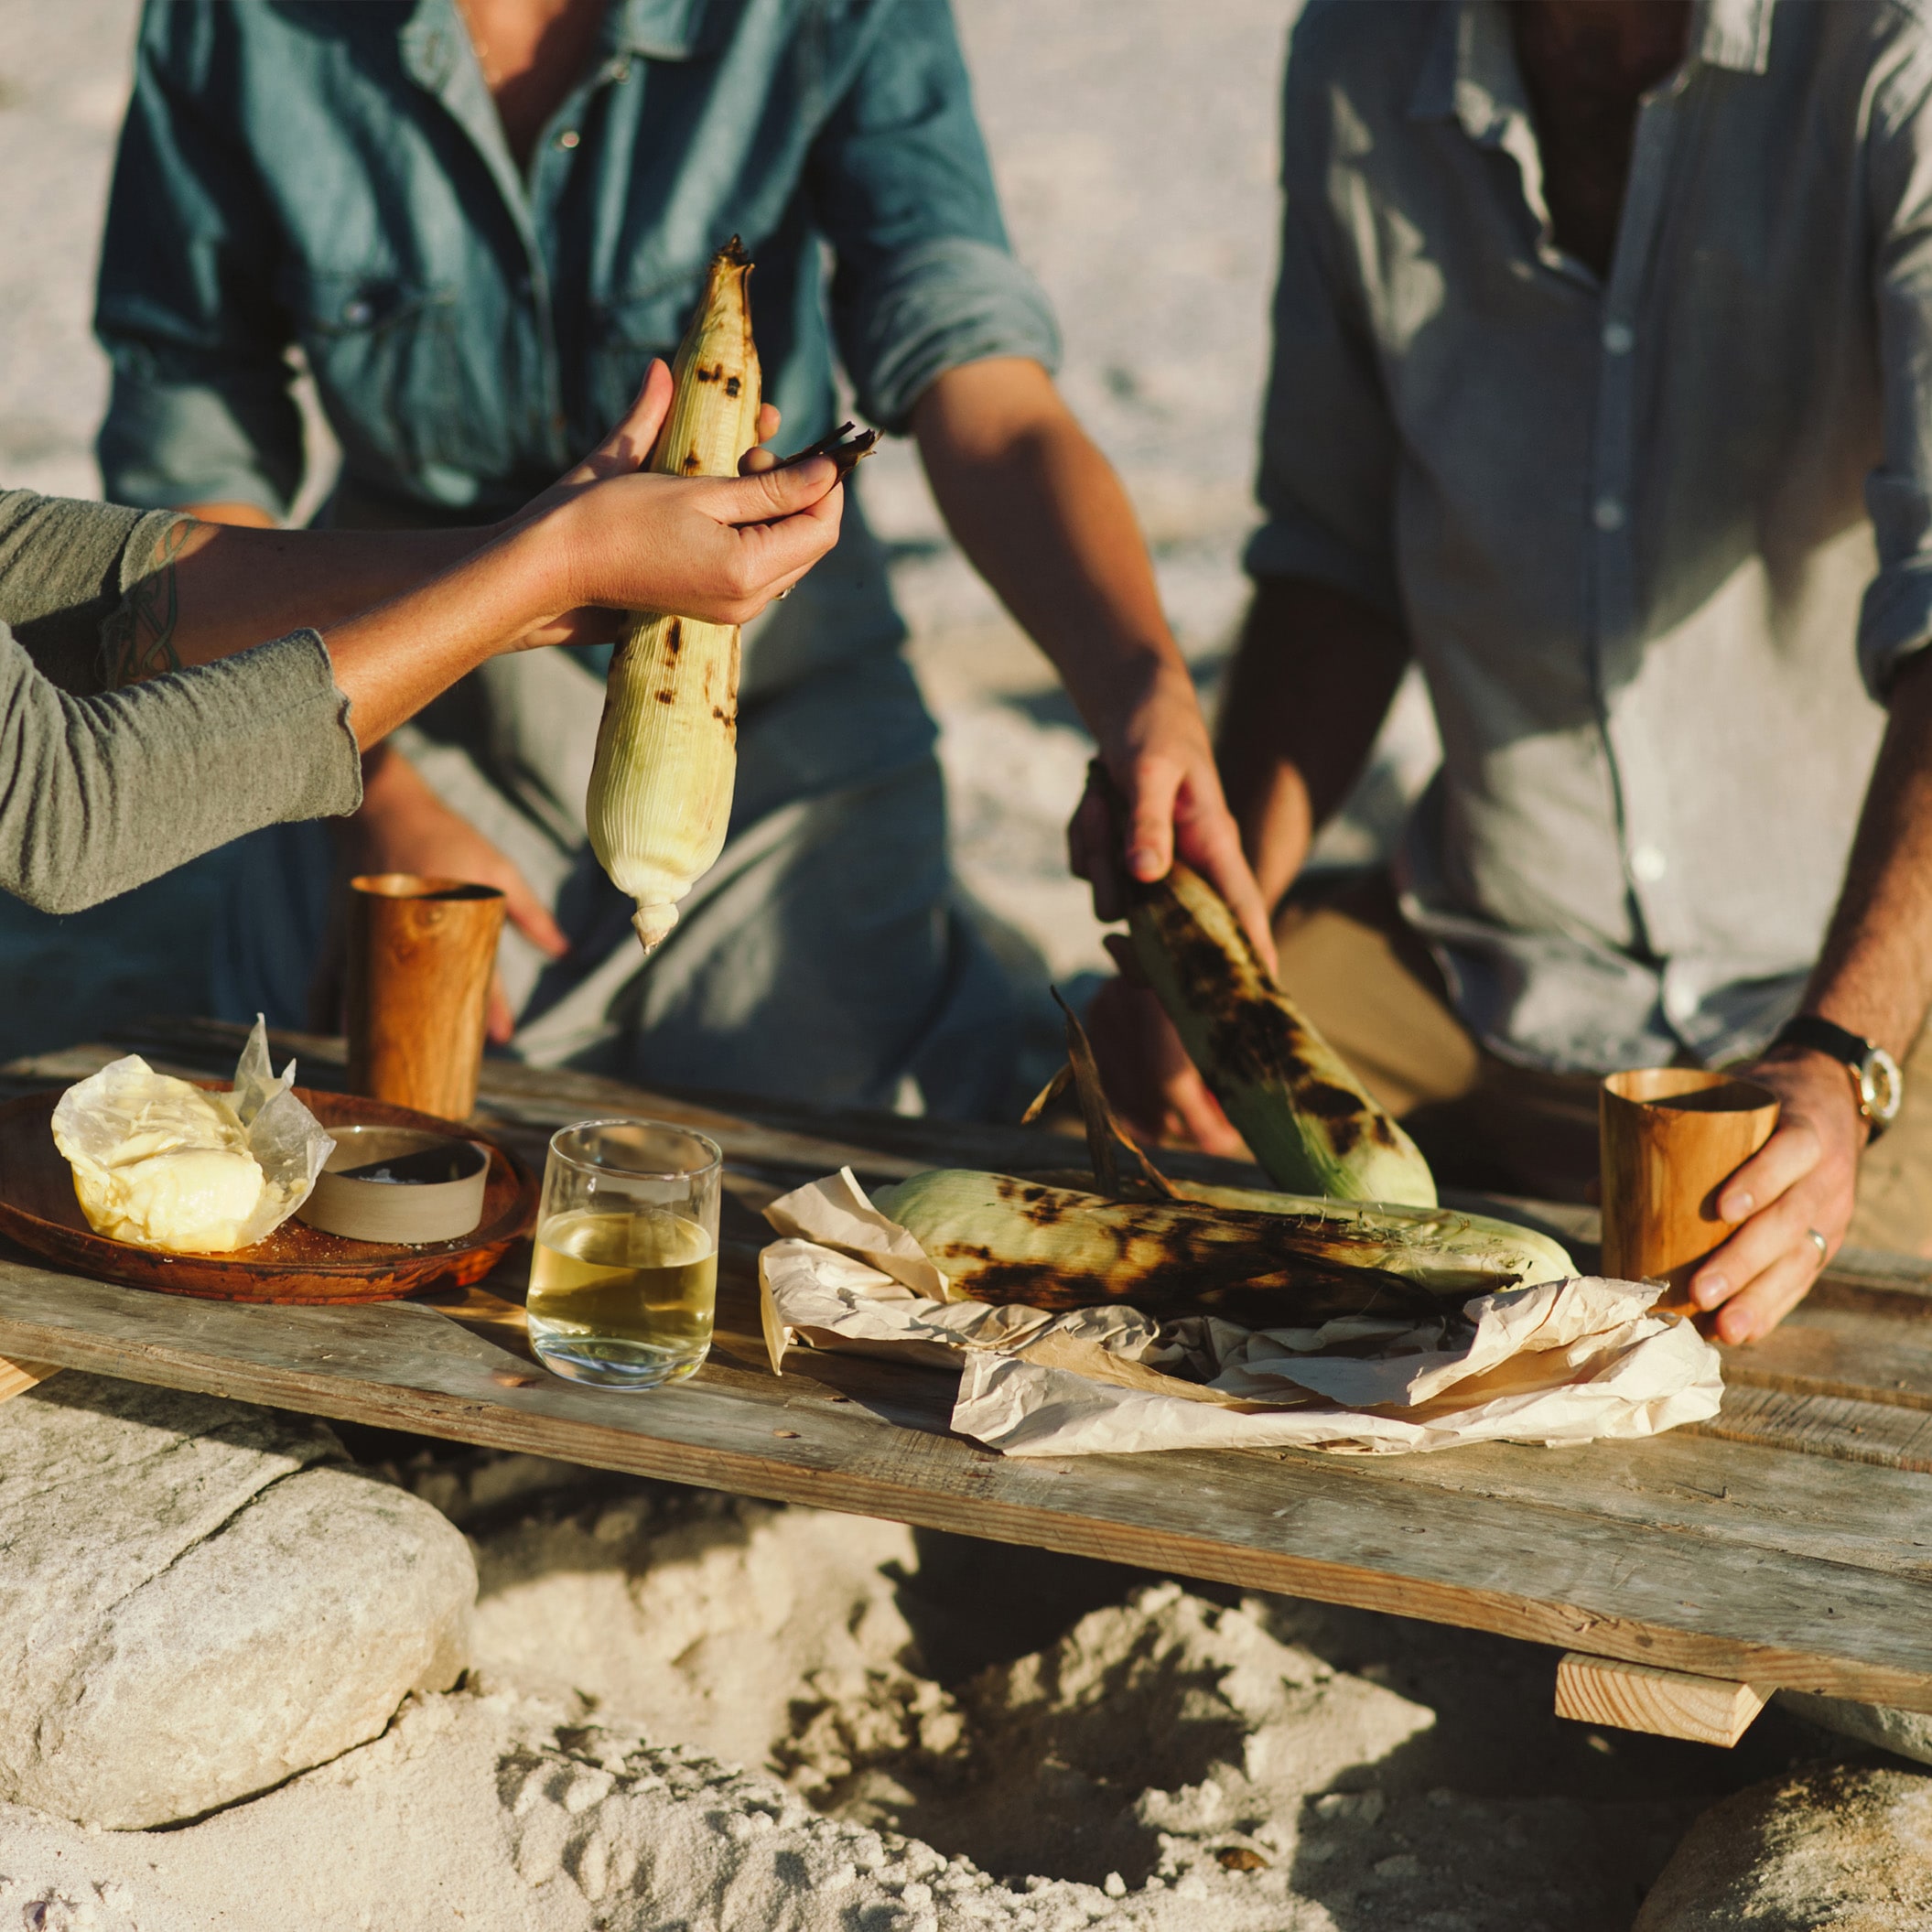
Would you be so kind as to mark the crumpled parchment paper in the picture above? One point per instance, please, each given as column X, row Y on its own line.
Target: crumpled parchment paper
column 288, row 1143
column 1563, row 1362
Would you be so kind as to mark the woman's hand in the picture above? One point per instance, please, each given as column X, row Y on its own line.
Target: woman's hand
column 718, row 549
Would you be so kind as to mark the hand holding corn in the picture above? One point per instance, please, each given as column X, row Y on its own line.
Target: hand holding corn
column 660, row 797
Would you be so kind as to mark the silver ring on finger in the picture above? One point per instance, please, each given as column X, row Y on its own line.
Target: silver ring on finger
column 1824, row 1246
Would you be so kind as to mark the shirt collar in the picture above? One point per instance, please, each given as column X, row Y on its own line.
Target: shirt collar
column 1733, row 33
column 1471, row 72
column 658, row 29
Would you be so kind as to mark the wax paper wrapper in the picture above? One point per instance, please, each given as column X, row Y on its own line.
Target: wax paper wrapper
column 1563, row 1362
column 288, row 1143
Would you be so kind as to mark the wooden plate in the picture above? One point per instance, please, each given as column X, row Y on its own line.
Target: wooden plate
column 297, row 1263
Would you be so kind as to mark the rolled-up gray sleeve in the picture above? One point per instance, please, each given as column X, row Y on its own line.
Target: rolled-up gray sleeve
column 1896, row 620
column 1326, row 481
column 925, row 278
column 100, row 795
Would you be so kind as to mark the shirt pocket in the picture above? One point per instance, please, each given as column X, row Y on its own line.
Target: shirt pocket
column 387, row 360
column 632, row 328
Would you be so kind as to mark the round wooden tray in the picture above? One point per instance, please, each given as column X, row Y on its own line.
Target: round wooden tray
column 297, row 1263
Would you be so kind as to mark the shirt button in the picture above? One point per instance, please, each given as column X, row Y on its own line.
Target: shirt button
column 1619, row 338
column 357, row 312
column 1608, row 514
column 621, row 71
column 568, row 138
column 1647, row 865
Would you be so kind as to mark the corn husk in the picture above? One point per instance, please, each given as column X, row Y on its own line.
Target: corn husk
column 660, row 796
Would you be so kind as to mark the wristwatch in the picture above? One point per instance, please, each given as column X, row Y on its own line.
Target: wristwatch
column 1875, row 1077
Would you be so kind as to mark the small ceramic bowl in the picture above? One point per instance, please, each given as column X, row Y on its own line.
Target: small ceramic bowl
column 398, row 1185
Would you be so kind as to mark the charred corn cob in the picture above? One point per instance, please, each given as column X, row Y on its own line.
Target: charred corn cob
column 660, row 795
column 1310, row 1123
column 1448, row 1251
column 1000, row 1238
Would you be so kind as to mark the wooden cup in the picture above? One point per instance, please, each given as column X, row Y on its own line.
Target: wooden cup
column 421, row 952
column 1670, row 1138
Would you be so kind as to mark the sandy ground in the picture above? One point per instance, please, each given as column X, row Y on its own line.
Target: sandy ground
column 692, row 1709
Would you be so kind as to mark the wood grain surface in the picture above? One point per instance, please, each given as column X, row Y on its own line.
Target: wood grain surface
column 1788, row 1542
column 17, row 1377
column 421, row 952
column 1672, row 1703
column 297, row 1263
column 1671, row 1137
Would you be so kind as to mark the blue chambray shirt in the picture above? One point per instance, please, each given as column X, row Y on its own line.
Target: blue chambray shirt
column 335, row 176
column 1658, row 540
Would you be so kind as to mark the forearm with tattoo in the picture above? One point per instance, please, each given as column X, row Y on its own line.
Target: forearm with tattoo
column 138, row 641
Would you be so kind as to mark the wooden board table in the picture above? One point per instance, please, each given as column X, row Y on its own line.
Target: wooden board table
column 1787, row 1543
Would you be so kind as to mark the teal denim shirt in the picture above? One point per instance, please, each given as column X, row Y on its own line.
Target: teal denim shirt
column 335, row 176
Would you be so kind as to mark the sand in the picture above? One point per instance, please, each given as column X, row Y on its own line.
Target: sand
column 694, row 1710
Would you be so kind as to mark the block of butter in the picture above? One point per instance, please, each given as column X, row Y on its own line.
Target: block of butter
column 165, row 1164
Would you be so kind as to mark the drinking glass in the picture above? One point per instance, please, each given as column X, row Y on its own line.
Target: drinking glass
column 623, row 1282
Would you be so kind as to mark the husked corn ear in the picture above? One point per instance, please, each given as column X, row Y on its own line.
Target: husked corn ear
column 660, row 795
column 1310, row 1123
column 1000, row 1238
column 1445, row 1249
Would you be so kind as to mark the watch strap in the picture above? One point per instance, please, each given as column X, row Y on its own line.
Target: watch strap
column 1875, row 1078
column 1825, row 1036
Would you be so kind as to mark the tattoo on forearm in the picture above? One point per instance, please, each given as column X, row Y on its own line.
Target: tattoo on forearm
column 138, row 641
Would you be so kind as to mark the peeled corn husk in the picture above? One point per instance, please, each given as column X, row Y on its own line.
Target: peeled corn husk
column 660, row 797
column 1314, row 1126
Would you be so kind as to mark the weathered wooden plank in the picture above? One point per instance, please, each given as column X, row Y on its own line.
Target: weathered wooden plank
column 1728, row 1489
column 1877, row 1434
column 1840, row 1351
column 1669, row 1703
column 867, row 1437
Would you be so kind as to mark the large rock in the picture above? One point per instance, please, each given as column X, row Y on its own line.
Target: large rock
column 195, row 1604
column 1907, row 1732
column 1837, row 1846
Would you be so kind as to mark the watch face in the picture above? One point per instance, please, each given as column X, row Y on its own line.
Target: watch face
column 1881, row 1086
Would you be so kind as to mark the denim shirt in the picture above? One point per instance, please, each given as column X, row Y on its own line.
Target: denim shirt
column 1659, row 538
column 336, row 178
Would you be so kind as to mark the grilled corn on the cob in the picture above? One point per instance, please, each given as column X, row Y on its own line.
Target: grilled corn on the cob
column 660, row 795
column 1310, row 1123
column 1000, row 1238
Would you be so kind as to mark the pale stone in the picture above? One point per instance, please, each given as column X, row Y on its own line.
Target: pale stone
column 1837, row 1846
column 1906, row 1732
column 194, row 1605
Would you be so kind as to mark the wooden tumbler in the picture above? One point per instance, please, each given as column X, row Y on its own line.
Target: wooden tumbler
column 421, row 952
column 1670, row 1138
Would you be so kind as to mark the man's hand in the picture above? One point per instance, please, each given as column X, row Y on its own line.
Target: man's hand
column 1155, row 748
column 1804, row 1177
column 403, row 826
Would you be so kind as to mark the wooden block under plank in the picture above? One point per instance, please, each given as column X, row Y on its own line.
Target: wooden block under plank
column 1640, row 1697
column 17, row 1377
